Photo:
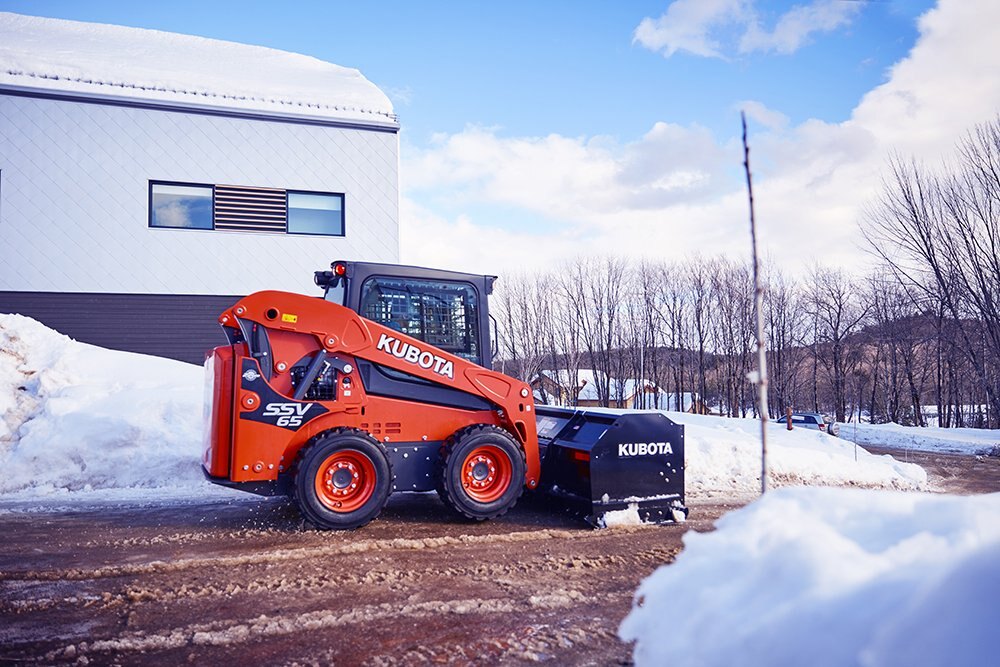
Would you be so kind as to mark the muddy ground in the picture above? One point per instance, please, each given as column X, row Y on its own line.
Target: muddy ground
column 245, row 582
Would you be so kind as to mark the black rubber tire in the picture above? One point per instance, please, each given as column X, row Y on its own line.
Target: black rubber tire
column 341, row 442
column 454, row 453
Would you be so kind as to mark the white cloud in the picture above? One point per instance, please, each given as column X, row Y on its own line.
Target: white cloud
column 429, row 239
column 463, row 244
column 689, row 25
column 569, row 178
column 795, row 26
column 716, row 28
column 946, row 84
column 679, row 190
column 769, row 118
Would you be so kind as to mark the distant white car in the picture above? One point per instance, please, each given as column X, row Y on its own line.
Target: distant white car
column 816, row 421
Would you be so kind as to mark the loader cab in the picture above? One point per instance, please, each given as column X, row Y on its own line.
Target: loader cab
column 446, row 309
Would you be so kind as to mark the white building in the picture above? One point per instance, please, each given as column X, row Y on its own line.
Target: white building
column 148, row 178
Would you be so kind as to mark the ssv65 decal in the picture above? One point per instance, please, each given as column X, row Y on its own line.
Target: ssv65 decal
column 286, row 414
column 275, row 409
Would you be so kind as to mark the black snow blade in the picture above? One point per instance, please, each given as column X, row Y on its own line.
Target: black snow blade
column 622, row 462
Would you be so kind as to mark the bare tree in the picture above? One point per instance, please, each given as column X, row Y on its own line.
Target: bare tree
column 941, row 234
column 524, row 311
column 592, row 289
column 732, row 300
column 837, row 311
column 699, row 280
column 785, row 317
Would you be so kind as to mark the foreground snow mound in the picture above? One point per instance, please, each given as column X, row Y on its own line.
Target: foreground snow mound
column 976, row 441
column 829, row 577
column 722, row 455
column 75, row 417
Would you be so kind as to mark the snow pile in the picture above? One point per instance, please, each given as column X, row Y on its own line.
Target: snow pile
column 928, row 439
column 110, row 60
column 722, row 455
column 626, row 517
column 75, row 417
column 829, row 577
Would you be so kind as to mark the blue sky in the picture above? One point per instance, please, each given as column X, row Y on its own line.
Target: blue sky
column 556, row 129
column 534, row 68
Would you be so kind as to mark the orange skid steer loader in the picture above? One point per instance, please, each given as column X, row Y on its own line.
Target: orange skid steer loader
column 384, row 385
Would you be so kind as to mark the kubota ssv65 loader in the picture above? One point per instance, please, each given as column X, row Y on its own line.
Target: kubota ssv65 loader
column 384, row 384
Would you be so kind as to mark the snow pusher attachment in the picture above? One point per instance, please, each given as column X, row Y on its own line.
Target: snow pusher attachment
column 605, row 461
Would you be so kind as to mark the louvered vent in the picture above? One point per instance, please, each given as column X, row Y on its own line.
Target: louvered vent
column 250, row 209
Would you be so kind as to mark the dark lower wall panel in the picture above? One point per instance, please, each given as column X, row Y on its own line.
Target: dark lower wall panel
column 176, row 326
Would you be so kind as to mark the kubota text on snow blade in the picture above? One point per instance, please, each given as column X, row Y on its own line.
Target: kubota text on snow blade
column 384, row 385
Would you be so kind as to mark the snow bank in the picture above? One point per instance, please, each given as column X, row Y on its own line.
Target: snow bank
column 79, row 418
column 722, row 456
column 829, row 577
column 927, row 439
column 116, row 61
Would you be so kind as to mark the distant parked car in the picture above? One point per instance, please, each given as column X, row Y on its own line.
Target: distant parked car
column 816, row 421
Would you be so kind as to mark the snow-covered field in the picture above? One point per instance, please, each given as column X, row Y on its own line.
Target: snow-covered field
column 812, row 576
column 928, row 439
column 78, row 421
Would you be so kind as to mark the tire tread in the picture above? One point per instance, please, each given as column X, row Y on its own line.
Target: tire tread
column 443, row 482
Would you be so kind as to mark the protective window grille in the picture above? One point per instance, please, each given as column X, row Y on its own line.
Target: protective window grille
column 250, row 209
column 437, row 312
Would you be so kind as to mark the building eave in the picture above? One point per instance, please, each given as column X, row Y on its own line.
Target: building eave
column 388, row 125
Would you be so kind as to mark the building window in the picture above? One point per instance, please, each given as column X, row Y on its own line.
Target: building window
column 310, row 213
column 180, row 206
column 245, row 209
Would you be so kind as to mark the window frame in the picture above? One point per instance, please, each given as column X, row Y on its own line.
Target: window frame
column 149, row 205
column 343, row 212
column 472, row 291
column 151, row 183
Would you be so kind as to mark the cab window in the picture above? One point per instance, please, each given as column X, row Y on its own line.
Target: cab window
column 441, row 313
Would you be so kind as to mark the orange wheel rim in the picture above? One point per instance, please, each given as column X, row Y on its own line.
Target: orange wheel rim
column 345, row 481
column 487, row 473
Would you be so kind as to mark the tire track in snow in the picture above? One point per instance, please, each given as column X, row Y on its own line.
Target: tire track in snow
column 527, row 644
column 230, row 632
column 267, row 583
column 282, row 555
column 297, row 553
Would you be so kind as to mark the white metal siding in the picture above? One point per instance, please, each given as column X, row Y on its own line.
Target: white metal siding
column 74, row 198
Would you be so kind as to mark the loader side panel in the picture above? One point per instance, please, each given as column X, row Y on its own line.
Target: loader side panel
column 269, row 427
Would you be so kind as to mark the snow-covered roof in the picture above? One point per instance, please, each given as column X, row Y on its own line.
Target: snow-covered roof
column 112, row 61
